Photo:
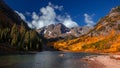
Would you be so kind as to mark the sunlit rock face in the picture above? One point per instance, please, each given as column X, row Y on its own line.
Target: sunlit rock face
column 60, row 30
column 104, row 37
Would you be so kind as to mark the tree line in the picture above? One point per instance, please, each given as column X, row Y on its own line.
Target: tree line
column 21, row 38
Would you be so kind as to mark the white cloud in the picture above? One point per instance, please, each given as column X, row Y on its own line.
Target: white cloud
column 35, row 16
column 55, row 6
column 88, row 20
column 21, row 15
column 48, row 16
column 31, row 25
column 69, row 23
column 24, row 18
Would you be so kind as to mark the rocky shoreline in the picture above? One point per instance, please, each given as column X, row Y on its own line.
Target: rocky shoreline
column 103, row 61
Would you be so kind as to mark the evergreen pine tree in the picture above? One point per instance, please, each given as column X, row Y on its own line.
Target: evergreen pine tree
column 14, row 35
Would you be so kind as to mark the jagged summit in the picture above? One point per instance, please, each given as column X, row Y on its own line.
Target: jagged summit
column 116, row 9
column 60, row 30
column 107, row 23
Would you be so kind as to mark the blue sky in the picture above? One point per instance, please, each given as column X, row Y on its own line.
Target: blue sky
column 79, row 10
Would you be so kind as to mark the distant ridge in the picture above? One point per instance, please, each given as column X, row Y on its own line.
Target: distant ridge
column 8, row 17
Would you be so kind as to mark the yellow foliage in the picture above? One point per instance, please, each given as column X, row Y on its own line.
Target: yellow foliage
column 112, row 41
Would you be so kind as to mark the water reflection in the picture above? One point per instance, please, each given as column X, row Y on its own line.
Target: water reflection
column 44, row 60
column 54, row 60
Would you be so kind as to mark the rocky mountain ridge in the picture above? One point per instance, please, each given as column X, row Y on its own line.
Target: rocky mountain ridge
column 61, row 31
column 104, row 37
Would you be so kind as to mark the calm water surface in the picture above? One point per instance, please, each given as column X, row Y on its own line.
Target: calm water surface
column 44, row 59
